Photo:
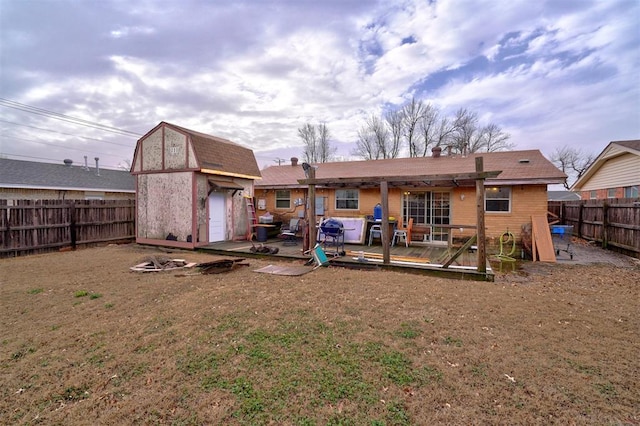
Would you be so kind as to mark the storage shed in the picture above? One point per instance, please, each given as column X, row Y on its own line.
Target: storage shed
column 191, row 188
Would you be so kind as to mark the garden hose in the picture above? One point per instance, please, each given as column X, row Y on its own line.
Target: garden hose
column 506, row 238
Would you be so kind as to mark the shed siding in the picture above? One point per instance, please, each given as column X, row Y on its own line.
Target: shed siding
column 175, row 149
column 202, row 189
column 617, row 172
column 193, row 163
column 152, row 151
column 164, row 205
column 137, row 165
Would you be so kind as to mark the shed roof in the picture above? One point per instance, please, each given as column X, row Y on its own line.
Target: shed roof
column 36, row 175
column 221, row 155
column 516, row 167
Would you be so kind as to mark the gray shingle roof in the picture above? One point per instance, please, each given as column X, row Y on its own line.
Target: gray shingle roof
column 31, row 174
column 528, row 166
column 220, row 154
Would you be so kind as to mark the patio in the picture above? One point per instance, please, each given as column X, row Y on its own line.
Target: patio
column 422, row 258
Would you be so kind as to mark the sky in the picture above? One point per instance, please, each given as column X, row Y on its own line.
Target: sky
column 90, row 77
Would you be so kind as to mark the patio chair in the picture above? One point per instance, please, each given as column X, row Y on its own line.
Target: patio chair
column 375, row 232
column 319, row 256
column 289, row 233
column 404, row 233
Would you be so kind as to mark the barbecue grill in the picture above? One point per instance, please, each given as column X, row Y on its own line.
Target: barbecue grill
column 332, row 233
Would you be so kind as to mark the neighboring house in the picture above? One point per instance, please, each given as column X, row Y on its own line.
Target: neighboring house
column 562, row 196
column 29, row 180
column 614, row 174
column 437, row 192
column 192, row 188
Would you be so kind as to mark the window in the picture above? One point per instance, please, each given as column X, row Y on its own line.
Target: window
column 593, row 195
column 631, row 192
column 428, row 209
column 347, row 199
column 497, row 199
column 611, row 193
column 283, row 199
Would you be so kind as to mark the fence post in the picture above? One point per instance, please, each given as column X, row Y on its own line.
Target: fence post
column 605, row 224
column 580, row 210
column 72, row 224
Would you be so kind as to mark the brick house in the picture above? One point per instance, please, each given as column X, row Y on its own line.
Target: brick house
column 442, row 209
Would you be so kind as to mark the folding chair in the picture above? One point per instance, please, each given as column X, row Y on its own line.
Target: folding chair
column 318, row 256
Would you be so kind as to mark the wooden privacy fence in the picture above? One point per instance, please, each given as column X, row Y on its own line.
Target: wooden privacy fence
column 614, row 223
column 34, row 226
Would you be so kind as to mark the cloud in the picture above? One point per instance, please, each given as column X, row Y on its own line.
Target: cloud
column 548, row 72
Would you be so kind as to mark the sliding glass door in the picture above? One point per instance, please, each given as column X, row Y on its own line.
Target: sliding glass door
column 428, row 210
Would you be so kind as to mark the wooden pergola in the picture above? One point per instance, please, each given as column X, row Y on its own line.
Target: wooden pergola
column 476, row 179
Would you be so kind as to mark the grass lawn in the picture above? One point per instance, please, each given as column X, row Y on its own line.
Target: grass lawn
column 86, row 341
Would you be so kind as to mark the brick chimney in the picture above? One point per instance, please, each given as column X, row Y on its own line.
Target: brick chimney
column 294, row 161
column 435, row 151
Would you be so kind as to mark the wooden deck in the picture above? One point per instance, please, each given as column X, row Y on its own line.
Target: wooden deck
column 421, row 258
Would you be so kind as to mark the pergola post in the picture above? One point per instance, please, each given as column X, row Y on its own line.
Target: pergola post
column 311, row 214
column 482, row 252
column 384, row 200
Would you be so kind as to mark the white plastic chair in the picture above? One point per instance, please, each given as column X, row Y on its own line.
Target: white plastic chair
column 375, row 232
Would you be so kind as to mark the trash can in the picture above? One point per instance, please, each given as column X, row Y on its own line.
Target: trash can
column 261, row 234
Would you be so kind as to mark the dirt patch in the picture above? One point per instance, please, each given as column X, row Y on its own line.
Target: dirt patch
column 85, row 340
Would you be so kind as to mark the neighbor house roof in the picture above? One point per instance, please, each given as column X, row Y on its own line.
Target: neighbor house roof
column 221, row 155
column 562, row 196
column 517, row 167
column 621, row 158
column 34, row 175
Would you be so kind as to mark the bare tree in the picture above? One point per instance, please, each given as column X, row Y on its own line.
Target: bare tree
column 308, row 135
column 326, row 152
column 317, row 148
column 412, row 113
column 573, row 162
column 436, row 130
column 465, row 132
column 468, row 137
column 366, row 146
column 495, row 139
column 394, row 121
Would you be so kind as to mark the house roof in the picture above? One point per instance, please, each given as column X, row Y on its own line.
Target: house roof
column 516, row 167
column 612, row 150
column 562, row 196
column 221, row 155
column 34, row 175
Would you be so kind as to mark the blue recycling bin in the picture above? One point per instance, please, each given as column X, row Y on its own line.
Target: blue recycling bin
column 377, row 212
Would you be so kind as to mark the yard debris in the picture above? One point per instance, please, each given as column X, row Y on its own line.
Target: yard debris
column 220, row 266
column 263, row 249
column 511, row 379
column 161, row 263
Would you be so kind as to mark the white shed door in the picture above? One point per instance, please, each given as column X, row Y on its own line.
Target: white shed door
column 217, row 214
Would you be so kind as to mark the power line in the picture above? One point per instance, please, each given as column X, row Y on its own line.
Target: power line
column 62, row 146
column 63, row 117
column 66, row 134
column 55, row 160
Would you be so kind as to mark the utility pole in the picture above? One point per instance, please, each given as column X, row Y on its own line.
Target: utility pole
column 279, row 160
